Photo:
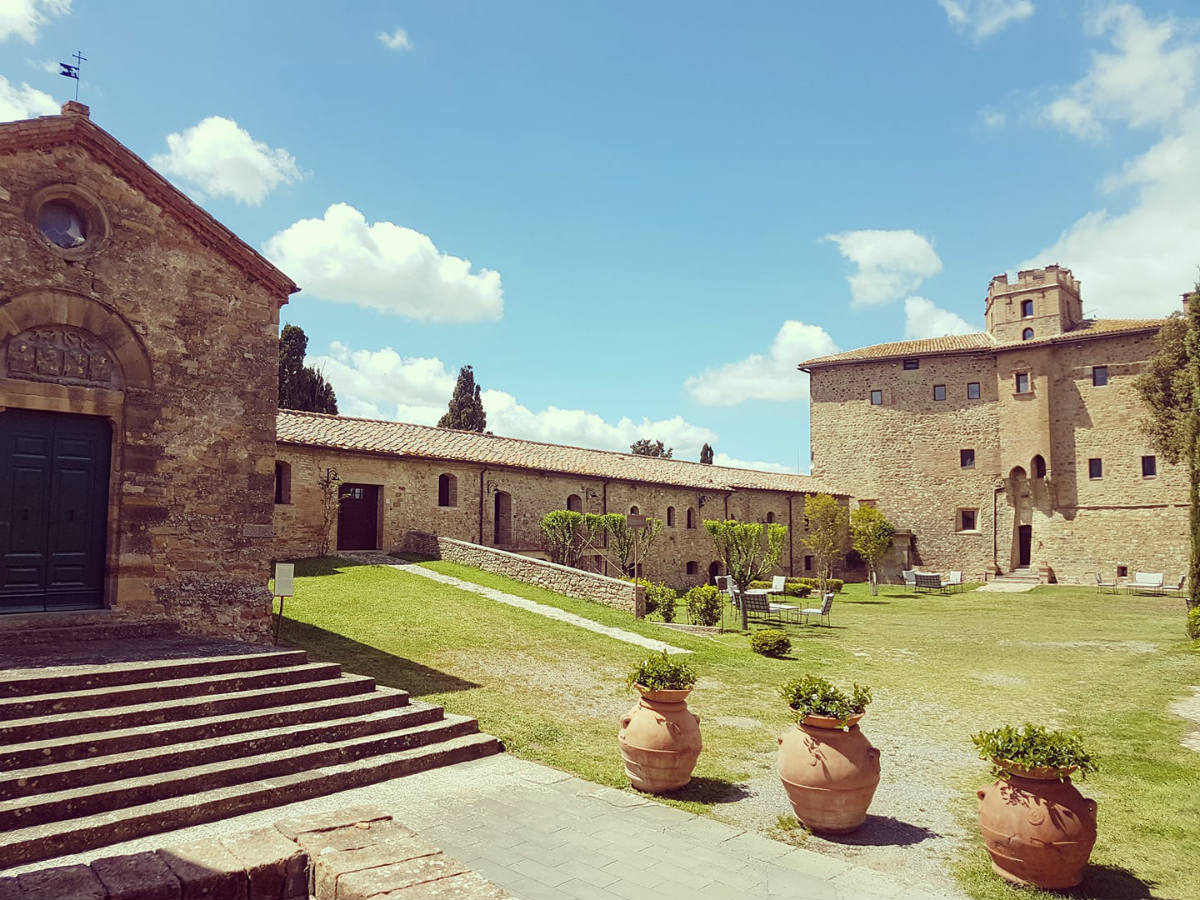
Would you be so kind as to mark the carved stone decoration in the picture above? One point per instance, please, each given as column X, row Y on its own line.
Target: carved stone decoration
column 61, row 355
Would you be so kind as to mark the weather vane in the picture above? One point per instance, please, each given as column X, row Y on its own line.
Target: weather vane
column 69, row 71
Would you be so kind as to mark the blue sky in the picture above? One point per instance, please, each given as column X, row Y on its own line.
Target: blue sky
column 635, row 219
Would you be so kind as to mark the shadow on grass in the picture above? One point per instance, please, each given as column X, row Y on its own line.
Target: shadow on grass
column 1111, row 883
column 709, row 790
column 883, row 831
column 386, row 668
column 323, row 565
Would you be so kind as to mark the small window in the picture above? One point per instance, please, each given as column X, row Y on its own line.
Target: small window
column 877, row 398
column 283, row 482
column 1039, row 467
column 671, row 519
column 1095, row 468
column 966, row 459
column 910, row 364
column 939, row 392
column 968, row 520
column 691, row 518
column 808, row 563
column 448, row 490
column 770, row 518
column 1099, row 376
column 633, row 511
column 1022, row 382
column 355, row 493
column 1149, row 466
column 1026, row 308
column 1027, row 334
column 575, row 503
column 693, row 567
column 1122, row 571
column 972, row 390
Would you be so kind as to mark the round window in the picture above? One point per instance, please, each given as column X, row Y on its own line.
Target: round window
column 62, row 224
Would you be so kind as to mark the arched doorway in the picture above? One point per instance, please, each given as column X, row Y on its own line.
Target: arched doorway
column 714, row 569
column 502, row 519
column 1020, row 498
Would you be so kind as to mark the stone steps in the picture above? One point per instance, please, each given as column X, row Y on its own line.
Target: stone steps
column 93, row 751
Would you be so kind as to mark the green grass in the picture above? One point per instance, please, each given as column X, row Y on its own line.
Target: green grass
column 941, row 666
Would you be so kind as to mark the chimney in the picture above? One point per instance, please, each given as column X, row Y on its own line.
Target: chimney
column 75, row 108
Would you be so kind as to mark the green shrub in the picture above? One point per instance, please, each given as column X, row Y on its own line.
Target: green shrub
column 661, row 673
column 790, row 588
column 704, row 604
column 1193, row 623
column 770, row 642
column 656, row 594
column 832, row 584
column 813, row 696
column 1032, row 746
column 666, row 605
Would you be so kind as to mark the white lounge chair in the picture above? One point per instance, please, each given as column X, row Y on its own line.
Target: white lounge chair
column 822, row 612
column 955, row 581
column 778, row 585
column 1103, row 587
column 1146, row 583
column 910, row 577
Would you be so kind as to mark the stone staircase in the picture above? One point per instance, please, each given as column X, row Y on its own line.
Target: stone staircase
column 177, row 732
column 1024, row 575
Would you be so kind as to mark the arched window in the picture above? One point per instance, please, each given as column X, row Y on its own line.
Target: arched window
column 714, row 569
column 1039, row 466
column 670, row 517
column 1027, row 334
column 575, row 503
column 283, row 482
column 447, row 490
column 770, row 518
column 691, row 518
column 633, row 510
column 693, row 567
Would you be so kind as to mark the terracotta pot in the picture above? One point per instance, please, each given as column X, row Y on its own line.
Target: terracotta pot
column 1038, row 830
column 660, row 741
column 830, row 773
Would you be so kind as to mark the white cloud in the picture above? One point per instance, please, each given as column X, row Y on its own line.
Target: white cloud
column 724, row 459
column 1143, row 82
column 890, row 263
column 770, row 376
column 983, row 18
column 218, row 157
column 385, row 267
column 992, row 119
column 24, row 102
column 369, row 382
column 23, row 18
column 397, row 40
column 922, row 319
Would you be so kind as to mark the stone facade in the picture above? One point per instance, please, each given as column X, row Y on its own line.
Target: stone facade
column 1000, row 429
column 410, row 492
column 123, row 301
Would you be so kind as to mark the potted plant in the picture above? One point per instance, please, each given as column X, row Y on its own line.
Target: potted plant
column 660, row 737
column 1036, row 825
column 828, row 767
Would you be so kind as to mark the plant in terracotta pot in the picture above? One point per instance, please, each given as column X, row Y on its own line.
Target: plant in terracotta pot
column 1036, row 825
column 660, row 737
column 828, row 767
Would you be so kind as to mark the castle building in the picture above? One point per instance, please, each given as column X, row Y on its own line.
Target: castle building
column 1016, row 448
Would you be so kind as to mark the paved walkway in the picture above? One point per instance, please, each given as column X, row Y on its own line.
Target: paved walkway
column 542, row 834
column 541, row 609
column 1002, row 587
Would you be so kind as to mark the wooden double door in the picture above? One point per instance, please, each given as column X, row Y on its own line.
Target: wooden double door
column 54, row 472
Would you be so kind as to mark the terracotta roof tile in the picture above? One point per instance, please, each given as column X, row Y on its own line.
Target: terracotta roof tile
column 423, row 441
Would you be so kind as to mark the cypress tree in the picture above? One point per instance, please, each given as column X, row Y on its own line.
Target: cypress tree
column 301, row 387
column 706, row 454
column 465, row 410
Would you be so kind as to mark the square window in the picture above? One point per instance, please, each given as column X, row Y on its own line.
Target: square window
column 1122, row 571
column 966, row 459
column 1022, row 382
column 1095, row 468
column 939, row 392
column 910, row 364
column 1026, row 308
column 1099, row 375
column 968, row 519
column 1149, row 466
column 877, row 398
column 973, row 390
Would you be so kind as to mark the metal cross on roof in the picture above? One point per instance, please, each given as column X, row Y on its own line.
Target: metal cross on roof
column 72, row 71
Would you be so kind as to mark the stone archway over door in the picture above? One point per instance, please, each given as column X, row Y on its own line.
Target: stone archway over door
column 54, row 474
column 358, row 517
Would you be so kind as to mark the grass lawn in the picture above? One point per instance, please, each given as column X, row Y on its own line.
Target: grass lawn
column 941, row 666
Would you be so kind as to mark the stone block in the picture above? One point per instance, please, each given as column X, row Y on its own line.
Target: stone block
column 139, row 876
column 330, row 865
column 465, row 886
column 396, row 876
column 73, row 882
column 10, row 889
column 338, row 818
column 275, row 867
column 207, row 871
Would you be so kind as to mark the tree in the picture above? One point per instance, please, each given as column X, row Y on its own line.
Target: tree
column 1170, row 386
column 706, row 454
column 647, row 447
column 300, row 386
column 827, row 527
column 566, row 535
column 331, row 490
column 741, row 548
column 466, row 406
column 626, row 539
column 872, row 536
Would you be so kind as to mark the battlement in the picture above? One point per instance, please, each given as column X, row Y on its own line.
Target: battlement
column 1037, row 304
column 1033, row 279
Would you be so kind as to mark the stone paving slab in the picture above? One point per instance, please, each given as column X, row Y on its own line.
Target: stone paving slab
column 541, row 609
column 500, row 816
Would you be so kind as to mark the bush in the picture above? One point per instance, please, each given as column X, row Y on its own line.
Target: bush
column 704, row 604
column 1032, row 746
column 661, row 673
column 832, row 584
column 770, row 642
column 656, row 595
column 1193, row 623
column 666, row 605
column 790, row 588
column 813, row 696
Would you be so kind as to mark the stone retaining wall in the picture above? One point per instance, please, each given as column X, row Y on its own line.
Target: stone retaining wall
column 614, row 592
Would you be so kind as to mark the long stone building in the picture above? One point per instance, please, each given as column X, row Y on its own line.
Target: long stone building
column 400, row 482
column 1016, row 448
